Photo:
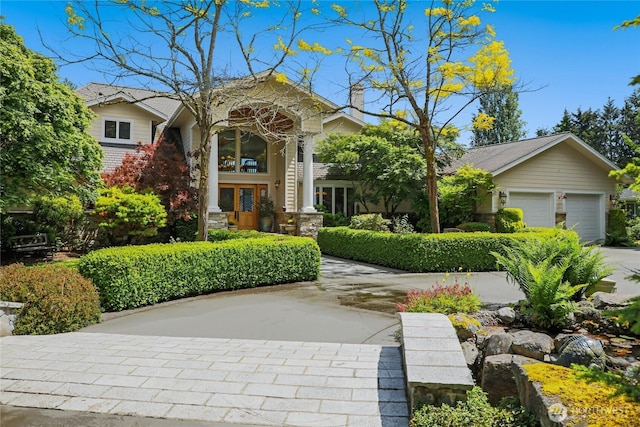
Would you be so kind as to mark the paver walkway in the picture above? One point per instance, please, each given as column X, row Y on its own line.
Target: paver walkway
column 233, row 381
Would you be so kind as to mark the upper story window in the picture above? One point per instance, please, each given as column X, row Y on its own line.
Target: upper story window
column 250, row 149
column 115, row 130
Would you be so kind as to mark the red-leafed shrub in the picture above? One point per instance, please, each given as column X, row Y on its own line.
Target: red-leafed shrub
column 161, row 167
column 442, row 299
column 56, row 298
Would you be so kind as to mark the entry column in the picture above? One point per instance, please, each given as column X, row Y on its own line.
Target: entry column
column 307, row 175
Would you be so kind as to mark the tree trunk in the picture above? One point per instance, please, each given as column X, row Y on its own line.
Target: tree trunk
column 432, row 179
column 203, row 185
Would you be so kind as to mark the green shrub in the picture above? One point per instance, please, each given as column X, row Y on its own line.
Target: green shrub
column 334, row 220
column 474, row 412
column 421, row 253
column 442, row 299
column 460, row 194
column 633, row 229
column 473, row 227
column 371, row 222
column 121, row 214
column 185, row 229
column 134, row 276
column 401, row 224
column 509, row 220
column 56, row 298
column 222, row 235
column 62, row 217
column 617, row 229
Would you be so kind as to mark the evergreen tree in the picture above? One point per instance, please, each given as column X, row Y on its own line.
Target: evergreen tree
column 502, row 106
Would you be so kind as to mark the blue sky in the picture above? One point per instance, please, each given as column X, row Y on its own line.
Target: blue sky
column 566, row 49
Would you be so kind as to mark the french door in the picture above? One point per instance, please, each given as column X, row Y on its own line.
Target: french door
column 240, row 202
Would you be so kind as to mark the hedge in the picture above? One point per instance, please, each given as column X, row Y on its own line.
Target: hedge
column 419, row 253
column 134, row 276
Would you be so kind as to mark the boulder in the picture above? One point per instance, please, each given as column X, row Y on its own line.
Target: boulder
column 497, row 375
column 582, row 350
column 483, row 335
column 532, row 398
column 560, row 339
column 498, row 344
column 465, row 325
column 507, row 315
column 470, row 352
column 602, row 300
column 532, row 344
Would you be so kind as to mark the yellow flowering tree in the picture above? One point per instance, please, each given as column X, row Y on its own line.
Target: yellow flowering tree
column 185, row 47
column 427, row 66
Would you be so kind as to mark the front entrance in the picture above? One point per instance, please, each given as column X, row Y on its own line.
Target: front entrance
column 240, row 202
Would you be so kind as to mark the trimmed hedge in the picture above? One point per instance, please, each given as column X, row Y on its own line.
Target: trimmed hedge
column 56, row 298
column 134, row 276
column 420, row 253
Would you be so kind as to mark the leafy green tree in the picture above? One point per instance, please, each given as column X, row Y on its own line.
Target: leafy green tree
column 382, row 162
column 461, row 193
column 426, row 65
column 45, row 149
column 502, row 106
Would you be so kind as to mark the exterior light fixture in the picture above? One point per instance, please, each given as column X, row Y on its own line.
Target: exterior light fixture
column 503, row 198
column 612, row 199
column 277, row 183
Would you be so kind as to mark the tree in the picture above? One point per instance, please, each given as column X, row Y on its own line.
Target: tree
column 45, row 149
column 178, row 45
column 428, row 70
column 162, row 168
column 382, row 161
column 502, row 106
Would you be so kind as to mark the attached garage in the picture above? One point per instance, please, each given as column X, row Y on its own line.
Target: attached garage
column 585, row 212
column 537, row 207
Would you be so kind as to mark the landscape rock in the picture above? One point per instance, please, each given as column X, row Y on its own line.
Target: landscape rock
column 582, row 350
column 483, row 335
column 507, row 315
column 498, row 344
column 470, row 352
column 560, row 339
column 465, row 325
column 532, row 344
column 602, row 300
column 532, row 398
column 497, row 375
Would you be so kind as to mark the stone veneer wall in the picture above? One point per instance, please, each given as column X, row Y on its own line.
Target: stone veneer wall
column 309, row 224
column 218, row 221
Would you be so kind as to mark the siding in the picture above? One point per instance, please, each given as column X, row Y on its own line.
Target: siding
column 141, row 121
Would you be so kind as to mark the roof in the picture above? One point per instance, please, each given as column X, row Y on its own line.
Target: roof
column 627, row 194
column 154, row 102
column 498, row 158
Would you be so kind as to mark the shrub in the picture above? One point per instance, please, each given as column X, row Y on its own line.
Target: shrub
column 134, row 276
column 475, row 411
column 442, row 299
column 371, row 222
column 334, row 220
column 122, row 214
column 460, row 194
column 186, row 230
column 62, row 217
column 421, row 253
column 473, row 227
column 509, row 220
column 633, row 229
column 222, row 235
column 401, row 224
column 617, row 229
column 56, row 298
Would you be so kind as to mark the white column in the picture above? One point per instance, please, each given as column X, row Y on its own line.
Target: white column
column 307, row 175
column 213, row 176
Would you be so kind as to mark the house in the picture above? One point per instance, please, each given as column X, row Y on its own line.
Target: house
column 265, row 134
column 555, row 178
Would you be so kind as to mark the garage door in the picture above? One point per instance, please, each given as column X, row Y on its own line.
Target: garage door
column 584, row 211
column 537, row 208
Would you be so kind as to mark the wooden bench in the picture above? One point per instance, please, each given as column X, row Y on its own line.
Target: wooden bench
column 32, row 243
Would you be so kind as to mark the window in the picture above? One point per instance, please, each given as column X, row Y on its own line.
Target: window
column 117, row 130
column 249, row 148
column 336, row 198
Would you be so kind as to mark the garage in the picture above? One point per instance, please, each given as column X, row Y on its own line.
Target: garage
column 538, row 208
column 585, row 212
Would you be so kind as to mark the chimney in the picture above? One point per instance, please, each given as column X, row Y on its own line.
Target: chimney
column 356, row 99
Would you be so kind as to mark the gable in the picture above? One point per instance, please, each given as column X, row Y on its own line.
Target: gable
column 559, row 167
